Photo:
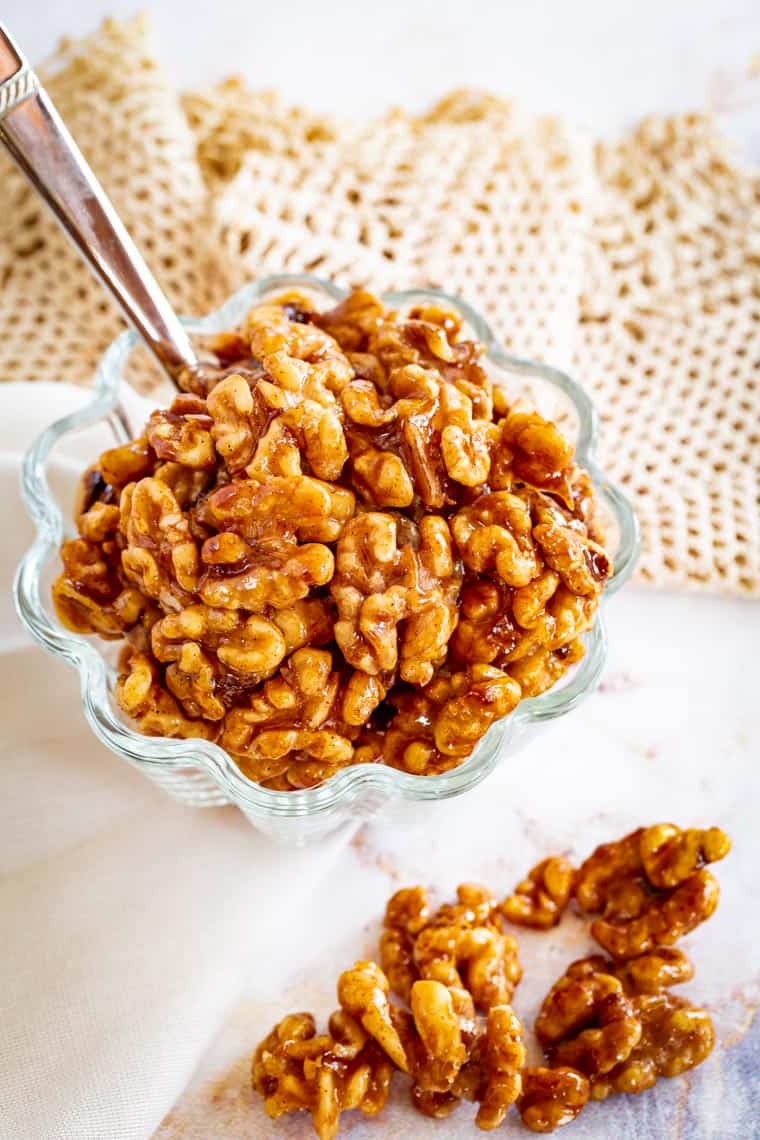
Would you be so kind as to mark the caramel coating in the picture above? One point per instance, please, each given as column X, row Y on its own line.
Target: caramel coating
column 588, row 1023
column 675, row 1037
column 651, row 887
column 294, row 1068
column 552, row 1097
column 648, row 974
column 346, row 482
column 671, row 855
column 300, row 725
column 460, row 945
column 491, row 1075
column 541, row 898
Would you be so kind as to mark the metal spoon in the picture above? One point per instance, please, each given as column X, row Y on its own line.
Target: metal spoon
column 33, row 132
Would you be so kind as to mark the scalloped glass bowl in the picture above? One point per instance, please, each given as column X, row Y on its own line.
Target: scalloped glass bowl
column 202, row 774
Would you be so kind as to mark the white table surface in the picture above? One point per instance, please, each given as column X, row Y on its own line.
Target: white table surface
column 674, row 733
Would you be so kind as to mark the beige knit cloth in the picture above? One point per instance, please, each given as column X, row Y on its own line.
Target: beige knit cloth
column 634, row 265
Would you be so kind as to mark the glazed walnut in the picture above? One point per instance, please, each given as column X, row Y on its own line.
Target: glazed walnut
column 294, row 1069
column 491, row 1075
column 639, row 914
column 349, row 479
column 541, row 898
column 552, row 1097
column 675, row 1036
column 460, row 945
column 588, row 1023
column 300, row 724
column 648, row 974
column 436, row 727
column 431, row 1041
column 394, row 576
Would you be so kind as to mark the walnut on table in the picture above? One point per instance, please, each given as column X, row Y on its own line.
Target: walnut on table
column 552, row 1098
column 675, row 1035
column 637, row 913
column 460, row 945
column 541, row 898
column 650, row 973
column 294, row 1069
column 492, row 1076
column 588, row 1023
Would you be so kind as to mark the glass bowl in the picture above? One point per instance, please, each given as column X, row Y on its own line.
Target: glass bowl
column 200, row 773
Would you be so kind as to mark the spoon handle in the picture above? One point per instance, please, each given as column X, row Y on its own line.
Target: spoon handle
column 38, row 141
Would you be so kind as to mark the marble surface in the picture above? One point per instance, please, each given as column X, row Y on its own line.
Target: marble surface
column 673, row 734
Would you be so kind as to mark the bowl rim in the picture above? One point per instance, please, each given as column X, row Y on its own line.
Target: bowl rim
column 163, row 754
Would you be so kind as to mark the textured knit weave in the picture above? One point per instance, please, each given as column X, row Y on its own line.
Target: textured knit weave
column 55, row 319
column 635, row 265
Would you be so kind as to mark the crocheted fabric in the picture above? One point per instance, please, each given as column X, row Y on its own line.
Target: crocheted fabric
column 634, row 265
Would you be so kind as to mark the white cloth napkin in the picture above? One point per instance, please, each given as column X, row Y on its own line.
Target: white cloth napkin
column 127, row 921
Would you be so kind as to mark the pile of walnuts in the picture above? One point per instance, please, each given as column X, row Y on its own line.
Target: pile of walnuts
column 608, row 1025
column 340, row 544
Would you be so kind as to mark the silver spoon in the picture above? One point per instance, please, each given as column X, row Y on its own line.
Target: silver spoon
column 33, row 132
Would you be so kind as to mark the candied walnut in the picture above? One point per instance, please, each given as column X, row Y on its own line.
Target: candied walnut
column 89, row 596
column 187, row 484
column 100, row 523
column 588, row 1023
column 648, row 974
column 395, row 587
column 201, row 646
column 552, row 1097
column 363, row 993
column 668, row 917
column 491, row 1075
column 464, row 445
column 280, row 510
column 543, row 668
column 441, row 1052
column 494, row 533
column 140, row 693
column 121, row 465
column 582, row 564
column 637, row 915
column 295, row 723
column 353, row 321
column 160, row 558
column 540, row 899
column 670, row 855
column 529, row 602
column 406, row 913
column 294, row 1069
column 460, row 945
column 675, row 1037
column 280, row 578
column 502, row 1063
column 181, row 434
column 346, row 478
column 486, row 632
column 429, row 1042
column 437, row 726
column 299, row 357
column 609, row 864
column 238, row 420
column 537, row 452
